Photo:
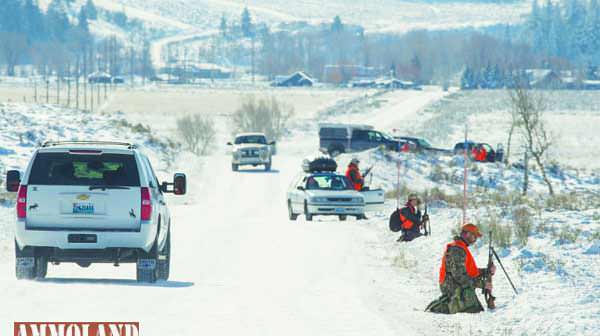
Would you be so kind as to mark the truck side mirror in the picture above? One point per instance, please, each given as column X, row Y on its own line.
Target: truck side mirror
column 301, row 188
column 179, row 184
column 13, row 179
column 229, row 144
column 272, row 143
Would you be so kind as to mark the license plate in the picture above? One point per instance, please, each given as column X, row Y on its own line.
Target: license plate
column 83, row 208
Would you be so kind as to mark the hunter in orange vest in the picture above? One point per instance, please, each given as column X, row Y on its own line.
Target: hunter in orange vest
column 353, row 174
column 411, row 219
column 460, row 276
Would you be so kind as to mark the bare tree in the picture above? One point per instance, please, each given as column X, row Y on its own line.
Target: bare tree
column 529, row 106
column 12, row 47
column 198, row 133
column 266, row 115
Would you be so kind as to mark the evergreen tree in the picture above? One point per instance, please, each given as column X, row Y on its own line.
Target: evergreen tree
column 337, row 26
column 91, row 11
column 246, row 24
column 223, row 26
column 592, row 28
column 33, row 21
column 57, row 19
column 535, row 26
column 82, row 23
column 11, row 16
column 467, row 79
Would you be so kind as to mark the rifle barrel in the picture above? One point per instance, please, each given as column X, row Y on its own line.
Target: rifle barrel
column 504, row 270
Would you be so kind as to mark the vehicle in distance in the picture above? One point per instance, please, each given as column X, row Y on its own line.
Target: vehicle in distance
column 92, row 202
column 419, row 145
column 323, row 192
column 251, row 149
column 492, row 155
column 346, row 138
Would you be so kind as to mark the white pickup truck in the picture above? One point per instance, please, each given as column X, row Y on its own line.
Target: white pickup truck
column 251, row 149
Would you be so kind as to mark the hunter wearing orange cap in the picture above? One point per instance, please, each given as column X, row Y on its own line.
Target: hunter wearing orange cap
column 459, row 276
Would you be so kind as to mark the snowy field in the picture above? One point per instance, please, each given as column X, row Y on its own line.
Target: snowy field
column 240, row 267
column 572, row 117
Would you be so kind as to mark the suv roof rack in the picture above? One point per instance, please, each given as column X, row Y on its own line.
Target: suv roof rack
column 114, row 143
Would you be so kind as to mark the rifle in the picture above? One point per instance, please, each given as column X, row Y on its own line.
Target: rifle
column 489, row 298
column 425, row 223
column 368, row 171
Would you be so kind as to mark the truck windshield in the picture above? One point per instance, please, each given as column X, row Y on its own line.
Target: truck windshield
column 328, row 182
column 84, row 170
column 251, row 139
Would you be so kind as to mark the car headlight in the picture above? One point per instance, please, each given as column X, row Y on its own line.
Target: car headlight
column 318, row 199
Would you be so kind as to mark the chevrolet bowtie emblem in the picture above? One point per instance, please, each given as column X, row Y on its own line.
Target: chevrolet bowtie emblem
column 83, row 197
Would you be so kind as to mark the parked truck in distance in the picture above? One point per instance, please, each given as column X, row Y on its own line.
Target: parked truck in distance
column 348, row 138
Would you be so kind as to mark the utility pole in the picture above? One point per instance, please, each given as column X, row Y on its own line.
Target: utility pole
column 465, row 178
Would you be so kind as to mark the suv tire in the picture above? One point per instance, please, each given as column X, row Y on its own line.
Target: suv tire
column 26, row 264
column 164, row 259
column 147, row 265
column 234, row 167
column 343, row 217
column 268, row 166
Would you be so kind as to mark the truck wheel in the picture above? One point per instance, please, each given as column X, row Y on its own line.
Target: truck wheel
column 343, row 217
column 268, row 166
column 234, row 167
column 335, row 151
column 146, row 265
column 164, row 259
column 308, row 215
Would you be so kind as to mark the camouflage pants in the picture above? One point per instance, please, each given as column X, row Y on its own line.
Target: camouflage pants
column 462, row 300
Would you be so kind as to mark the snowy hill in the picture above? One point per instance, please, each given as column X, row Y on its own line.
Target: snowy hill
column 375, row 16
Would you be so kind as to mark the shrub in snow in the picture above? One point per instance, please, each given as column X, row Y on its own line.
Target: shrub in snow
column 198, row 133
column 265, row 115
column 593, row 249
column 523, row 222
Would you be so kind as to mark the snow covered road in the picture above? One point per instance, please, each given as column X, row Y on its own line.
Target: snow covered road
column 239, row 267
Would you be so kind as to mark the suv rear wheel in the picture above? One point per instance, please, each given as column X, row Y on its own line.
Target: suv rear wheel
column 28, row 266
column 164, row 259
column 234, row 167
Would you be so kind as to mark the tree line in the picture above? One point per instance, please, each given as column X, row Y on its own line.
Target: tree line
column 57, row 44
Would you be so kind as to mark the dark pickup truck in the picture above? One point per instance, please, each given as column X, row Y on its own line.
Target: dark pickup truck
column 344, row 138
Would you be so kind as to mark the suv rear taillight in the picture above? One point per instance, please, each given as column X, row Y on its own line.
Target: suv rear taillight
column 22, row 202
column 146, row 204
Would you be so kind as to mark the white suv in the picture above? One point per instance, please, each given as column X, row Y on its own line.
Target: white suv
column 92, row 202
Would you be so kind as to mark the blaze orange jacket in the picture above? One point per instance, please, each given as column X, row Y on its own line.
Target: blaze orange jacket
column 470, row 264
column 353, row 174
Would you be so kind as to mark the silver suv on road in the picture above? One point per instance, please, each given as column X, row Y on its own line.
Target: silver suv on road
column 92, row 202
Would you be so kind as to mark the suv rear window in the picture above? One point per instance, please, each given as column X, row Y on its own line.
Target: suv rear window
column 76, row 169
